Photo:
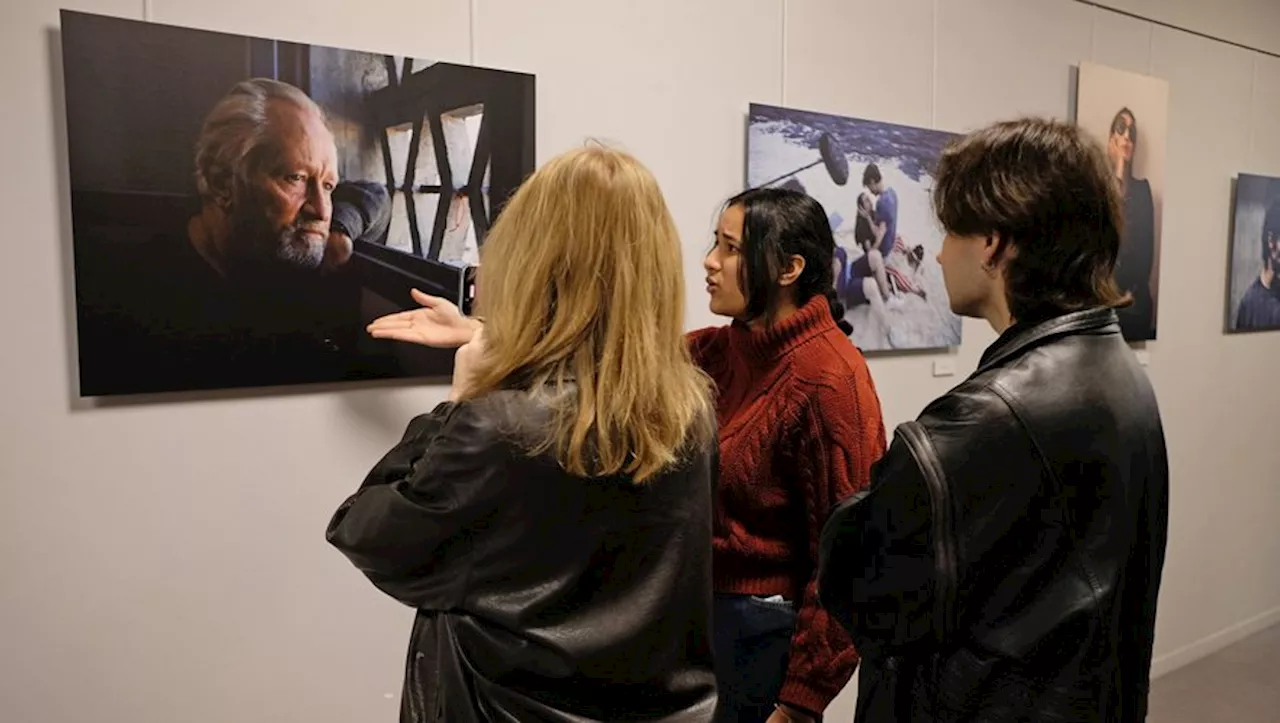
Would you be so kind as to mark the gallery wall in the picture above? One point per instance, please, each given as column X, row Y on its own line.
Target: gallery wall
column 164, row 558
column 1245, row 22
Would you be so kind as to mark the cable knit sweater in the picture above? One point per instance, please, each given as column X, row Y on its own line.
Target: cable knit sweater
column 800, row 426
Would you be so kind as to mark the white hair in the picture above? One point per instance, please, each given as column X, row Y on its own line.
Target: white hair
column 235, row 128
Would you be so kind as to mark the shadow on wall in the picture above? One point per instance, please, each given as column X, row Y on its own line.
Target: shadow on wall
column 66, row 255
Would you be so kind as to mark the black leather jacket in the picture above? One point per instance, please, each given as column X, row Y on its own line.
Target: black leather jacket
column 1005, row 561
column 541, row 596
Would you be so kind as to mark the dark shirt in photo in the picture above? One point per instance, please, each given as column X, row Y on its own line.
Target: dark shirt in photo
column 1135, row 261
column 1259, row 308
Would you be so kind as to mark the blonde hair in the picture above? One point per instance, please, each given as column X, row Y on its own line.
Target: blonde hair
column 582, row 288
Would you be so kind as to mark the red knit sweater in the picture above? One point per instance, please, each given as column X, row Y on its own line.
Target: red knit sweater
column 800, row 426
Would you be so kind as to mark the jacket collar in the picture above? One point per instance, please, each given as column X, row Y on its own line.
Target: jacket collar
column 1019, row 338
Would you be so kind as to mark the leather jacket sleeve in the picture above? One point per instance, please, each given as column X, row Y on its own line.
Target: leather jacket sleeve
column 398, row 463
column 876, row 563
column 425, row 493
column 1138, row 616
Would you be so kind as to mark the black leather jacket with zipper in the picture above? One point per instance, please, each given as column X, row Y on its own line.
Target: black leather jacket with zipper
column 541, row 596
column 1005, row 561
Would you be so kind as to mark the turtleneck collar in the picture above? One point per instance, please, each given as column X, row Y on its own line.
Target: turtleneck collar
column 764, row 345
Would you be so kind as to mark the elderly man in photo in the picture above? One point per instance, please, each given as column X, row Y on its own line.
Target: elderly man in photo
column 253, row 290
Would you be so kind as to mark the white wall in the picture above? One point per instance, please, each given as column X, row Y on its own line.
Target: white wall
column 1254, row 23
column 166, row 561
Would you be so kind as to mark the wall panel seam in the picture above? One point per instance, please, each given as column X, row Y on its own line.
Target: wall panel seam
column 933, row 71
column 782, row 82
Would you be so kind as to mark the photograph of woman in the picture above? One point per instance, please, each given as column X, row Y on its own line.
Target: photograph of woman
column 1137, row 245
column 1128, row 114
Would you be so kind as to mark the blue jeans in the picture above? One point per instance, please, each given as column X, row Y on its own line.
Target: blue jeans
column 752, row 642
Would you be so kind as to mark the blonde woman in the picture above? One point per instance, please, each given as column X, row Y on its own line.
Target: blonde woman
column 551, row 523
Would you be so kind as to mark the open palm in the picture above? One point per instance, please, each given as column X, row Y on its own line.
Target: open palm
column 438, row 324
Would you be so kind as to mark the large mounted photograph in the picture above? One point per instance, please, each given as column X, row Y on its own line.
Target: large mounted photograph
column 1129, row 115
column 1253, row 294
column 875, row 181
column 243, row 207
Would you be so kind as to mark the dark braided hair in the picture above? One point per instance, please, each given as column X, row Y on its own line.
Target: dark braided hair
column 779, row 223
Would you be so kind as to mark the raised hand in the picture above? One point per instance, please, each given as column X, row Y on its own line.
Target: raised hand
column 1115, row 154
column 437, row 324
column 337, row 251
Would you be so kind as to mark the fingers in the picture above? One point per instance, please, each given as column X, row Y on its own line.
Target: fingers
column 402, row 320
column 388, row 325
column 405, row 334
column 427, row 300
column 406, row 314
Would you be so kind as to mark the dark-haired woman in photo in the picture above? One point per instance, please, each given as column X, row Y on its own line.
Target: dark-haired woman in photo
column 1138, row 242
column 800, row 427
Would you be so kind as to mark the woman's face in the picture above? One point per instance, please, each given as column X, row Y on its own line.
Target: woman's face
column 1124, row 136
column 723, row 265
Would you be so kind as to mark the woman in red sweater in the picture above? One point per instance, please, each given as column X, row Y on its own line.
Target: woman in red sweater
column 799, row 426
